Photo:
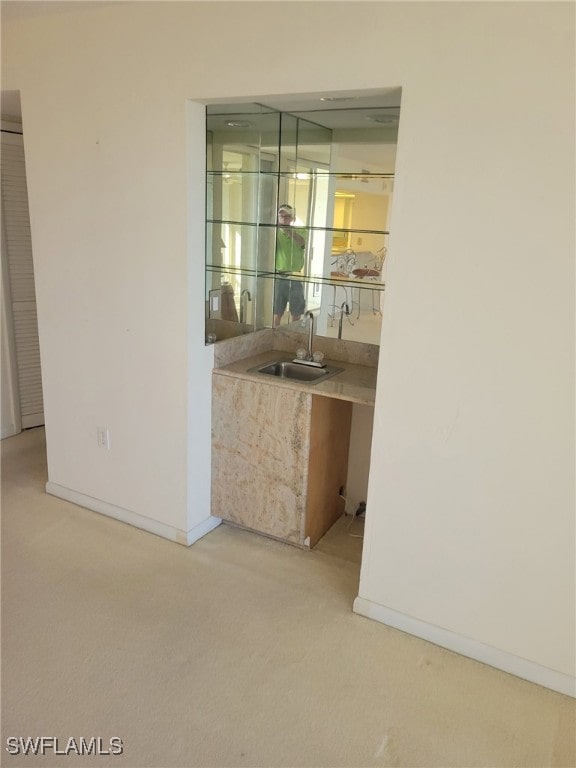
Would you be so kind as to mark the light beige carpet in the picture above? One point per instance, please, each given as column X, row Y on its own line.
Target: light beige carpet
column 238, row 651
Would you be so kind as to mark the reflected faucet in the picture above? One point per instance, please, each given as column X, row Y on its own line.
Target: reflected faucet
column 344, row 310
column 244, row 297
column 309, row 353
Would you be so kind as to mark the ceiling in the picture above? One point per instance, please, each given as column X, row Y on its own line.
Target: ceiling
column 364, row 124
column 341, row 110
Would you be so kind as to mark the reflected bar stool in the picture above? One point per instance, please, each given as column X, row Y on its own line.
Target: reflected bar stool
column 335, row 308
column 371, row 273
column 360, row 274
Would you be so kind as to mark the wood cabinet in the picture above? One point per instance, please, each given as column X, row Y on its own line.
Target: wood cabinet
column 279, row 458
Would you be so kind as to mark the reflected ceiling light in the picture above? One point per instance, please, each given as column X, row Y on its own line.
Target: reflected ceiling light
column 238, row 124
column 383, row 119
column 337, row 98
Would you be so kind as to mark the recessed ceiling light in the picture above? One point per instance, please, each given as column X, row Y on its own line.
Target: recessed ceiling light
column 337, row 98
column 238, row 124
column 383, row 119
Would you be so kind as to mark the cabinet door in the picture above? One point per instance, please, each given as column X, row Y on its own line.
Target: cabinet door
column 260, row 447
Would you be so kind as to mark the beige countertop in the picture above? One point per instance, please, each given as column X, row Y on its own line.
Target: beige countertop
column 356, row 383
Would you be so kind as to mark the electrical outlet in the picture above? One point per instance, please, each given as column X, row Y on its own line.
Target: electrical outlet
column 103, row 437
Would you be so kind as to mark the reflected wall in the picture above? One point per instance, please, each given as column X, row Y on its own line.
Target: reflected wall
column 259, row 158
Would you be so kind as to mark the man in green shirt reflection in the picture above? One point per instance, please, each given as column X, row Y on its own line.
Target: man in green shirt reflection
column 290, row 249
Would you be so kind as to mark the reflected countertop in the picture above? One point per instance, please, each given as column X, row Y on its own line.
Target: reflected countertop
column 356, row 383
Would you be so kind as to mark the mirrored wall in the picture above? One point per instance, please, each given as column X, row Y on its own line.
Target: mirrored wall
column 298, row 203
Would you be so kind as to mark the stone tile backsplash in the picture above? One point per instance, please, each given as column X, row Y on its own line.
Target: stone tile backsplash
column 239, row 347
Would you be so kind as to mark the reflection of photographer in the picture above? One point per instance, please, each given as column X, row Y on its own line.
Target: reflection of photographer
column 290, row 248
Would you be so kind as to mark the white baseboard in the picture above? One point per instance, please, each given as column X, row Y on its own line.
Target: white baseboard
column 473, row 649
column 202, row 529
column 133, row 518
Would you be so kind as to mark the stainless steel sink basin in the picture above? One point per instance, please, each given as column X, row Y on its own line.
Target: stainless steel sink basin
column 297, row 371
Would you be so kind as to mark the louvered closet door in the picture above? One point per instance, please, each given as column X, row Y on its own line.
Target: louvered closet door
column 18, row 244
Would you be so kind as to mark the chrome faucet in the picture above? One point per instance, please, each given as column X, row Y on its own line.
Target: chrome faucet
column 344, row 310
column 309, row 353
column 244, row 296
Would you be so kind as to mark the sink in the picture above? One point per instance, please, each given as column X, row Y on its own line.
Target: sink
column 297, row 371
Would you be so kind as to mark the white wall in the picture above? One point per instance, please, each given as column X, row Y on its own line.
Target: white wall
column 470, row 525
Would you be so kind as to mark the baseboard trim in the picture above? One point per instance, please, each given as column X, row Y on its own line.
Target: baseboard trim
column 473, row 649
column 202, row 529
column 133, row 518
